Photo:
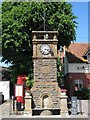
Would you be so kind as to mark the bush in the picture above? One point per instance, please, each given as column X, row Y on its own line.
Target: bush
column 83, row 94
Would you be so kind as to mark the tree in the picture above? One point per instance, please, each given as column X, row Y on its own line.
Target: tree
column 82, row 94
column 60, row 74
column 18, row 21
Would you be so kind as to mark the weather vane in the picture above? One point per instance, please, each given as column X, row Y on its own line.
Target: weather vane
column 44, row 20
column 44, row 25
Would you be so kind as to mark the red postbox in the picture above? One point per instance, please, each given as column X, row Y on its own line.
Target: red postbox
column 21, row 79
column 20, row 92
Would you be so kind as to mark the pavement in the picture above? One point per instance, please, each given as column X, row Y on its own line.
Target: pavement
column 6, row 112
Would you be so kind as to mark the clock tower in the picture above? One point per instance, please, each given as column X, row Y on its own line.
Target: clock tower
column 45, row 91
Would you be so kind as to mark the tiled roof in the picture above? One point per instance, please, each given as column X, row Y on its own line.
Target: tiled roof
column 76, row 51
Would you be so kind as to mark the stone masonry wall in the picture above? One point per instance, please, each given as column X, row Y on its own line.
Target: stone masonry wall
column 45, row 76
column 45, row 70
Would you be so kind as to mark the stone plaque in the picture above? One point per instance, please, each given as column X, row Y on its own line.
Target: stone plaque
column 45, row 69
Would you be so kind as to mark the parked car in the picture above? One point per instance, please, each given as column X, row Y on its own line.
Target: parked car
column 1, row 98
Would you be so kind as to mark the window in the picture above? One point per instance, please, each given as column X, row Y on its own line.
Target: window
column 78, row 85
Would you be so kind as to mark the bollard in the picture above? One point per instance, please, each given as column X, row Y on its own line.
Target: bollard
column 13, row 105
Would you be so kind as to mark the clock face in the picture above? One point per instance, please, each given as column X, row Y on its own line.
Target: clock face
column 45, row 49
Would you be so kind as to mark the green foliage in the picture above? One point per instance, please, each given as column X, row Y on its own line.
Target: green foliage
column 30, row 80
column 18, row 21
column 83, row 94
column 59, row 72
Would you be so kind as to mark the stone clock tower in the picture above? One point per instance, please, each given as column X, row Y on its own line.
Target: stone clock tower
column 45, row 91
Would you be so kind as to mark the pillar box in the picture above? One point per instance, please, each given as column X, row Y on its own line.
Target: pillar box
column 19, row 94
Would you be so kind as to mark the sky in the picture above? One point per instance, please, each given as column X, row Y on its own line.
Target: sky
column 80, row 9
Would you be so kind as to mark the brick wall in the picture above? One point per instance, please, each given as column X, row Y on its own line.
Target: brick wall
column 70, row 81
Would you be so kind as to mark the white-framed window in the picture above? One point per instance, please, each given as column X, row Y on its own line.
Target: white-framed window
column 78, row 85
